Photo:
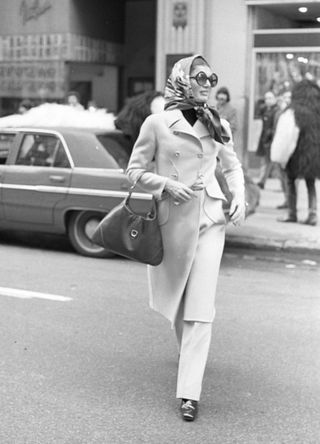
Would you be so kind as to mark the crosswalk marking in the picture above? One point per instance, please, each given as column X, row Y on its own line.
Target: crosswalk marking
column 26, row 294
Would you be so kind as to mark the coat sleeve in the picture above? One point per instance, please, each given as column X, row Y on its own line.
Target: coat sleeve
column 141, row 160
column 231, row 166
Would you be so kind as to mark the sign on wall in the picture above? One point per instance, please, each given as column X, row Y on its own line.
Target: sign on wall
column 45, row 80
column 180, row 14
column 69, row 47
column 33, row 9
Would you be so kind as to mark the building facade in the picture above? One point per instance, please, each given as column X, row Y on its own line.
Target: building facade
column 254, row 46
column 108, row 50
column 48, row 47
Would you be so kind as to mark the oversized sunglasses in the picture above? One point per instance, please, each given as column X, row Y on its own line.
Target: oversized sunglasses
column 202, row 78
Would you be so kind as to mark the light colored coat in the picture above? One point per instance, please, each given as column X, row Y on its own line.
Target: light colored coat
column 285, row 138
column 184, row 153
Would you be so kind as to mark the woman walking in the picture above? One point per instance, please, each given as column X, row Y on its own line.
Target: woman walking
column 184, row 142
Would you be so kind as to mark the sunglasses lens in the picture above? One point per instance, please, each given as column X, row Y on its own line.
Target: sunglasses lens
column 202, row 78
column 213, row 79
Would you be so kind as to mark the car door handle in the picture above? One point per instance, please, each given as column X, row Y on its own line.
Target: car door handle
column 57, row 179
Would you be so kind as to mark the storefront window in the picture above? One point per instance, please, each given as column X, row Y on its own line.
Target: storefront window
column 278, row 71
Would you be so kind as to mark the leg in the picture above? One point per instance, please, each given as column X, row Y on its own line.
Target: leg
column 283, row 181
column 265, row 170
column 292, row 201
column 195, row 345
column 312, row 201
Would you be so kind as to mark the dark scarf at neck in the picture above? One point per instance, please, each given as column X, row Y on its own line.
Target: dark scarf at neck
column 208, row 116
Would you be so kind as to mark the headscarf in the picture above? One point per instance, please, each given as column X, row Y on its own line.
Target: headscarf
column 178, row 95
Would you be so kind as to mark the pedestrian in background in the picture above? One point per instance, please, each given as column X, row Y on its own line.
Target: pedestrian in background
column 225, row 109
column 283, row 104
column 185, row 141
column 73, row 99
column 296, row 145
column 267, row 114
column 24, row 106
column 136, row 110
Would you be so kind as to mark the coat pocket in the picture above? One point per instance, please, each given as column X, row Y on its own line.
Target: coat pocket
column 214, row 210
column 163, row 211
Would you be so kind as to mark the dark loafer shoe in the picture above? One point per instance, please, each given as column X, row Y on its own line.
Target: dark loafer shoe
column 288, row 219
column 189, row 409
column 311, row 220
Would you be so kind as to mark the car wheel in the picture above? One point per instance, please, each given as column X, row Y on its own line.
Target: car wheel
column 81, row 226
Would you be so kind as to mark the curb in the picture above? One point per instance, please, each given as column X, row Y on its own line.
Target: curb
column 257, row 243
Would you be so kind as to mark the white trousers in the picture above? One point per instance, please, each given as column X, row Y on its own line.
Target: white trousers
column 193, row 342
column 194, row 337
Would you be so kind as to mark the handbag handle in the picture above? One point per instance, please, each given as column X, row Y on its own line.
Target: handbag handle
column 153, row 211
column 134, row 185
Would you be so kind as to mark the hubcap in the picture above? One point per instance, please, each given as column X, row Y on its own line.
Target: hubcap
column 90, row 227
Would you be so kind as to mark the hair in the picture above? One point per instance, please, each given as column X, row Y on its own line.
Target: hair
column 305, row 102
column 134, row 112
column 73, row 93
column 305, row 98
column 270, row 92
column 198, row 61
column 225, row 91
column 27, row 104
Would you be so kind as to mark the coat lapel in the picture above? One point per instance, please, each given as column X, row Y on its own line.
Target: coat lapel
column 177, row 123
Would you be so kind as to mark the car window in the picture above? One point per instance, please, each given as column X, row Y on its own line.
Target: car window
column 87, row 151
column 114, row 147
column 42, row 150
column 6, row 141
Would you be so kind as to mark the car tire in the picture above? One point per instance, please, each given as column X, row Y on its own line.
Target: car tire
column 81, row 225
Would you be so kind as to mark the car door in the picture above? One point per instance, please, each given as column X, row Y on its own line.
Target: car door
column 36, row 179
column 6, row 142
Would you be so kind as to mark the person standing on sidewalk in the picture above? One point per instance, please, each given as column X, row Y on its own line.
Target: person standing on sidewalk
column 267, row 114
column 303, row 161
column 284, row 103
column 225, row 109
column 184, row 141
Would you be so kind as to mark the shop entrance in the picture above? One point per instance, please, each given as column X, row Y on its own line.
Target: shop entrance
column 277, row 71
column 286, row 49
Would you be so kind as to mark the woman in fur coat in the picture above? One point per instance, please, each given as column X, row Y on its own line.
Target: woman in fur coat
column 296, row 145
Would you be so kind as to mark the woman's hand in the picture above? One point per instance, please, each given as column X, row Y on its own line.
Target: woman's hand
column 237, row 210
column 179, row 191
column 198, row 185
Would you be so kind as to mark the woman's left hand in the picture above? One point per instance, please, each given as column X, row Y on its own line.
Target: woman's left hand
column 237, row 210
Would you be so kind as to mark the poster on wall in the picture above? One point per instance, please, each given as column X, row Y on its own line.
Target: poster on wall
column 34, row 80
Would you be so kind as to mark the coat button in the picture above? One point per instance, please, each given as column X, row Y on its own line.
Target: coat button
column 200, row 155
column 177, row 153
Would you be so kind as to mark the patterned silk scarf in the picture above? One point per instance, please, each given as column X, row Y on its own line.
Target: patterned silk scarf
column 178, row 95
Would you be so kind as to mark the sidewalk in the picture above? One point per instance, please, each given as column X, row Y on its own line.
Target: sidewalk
column 262, row 230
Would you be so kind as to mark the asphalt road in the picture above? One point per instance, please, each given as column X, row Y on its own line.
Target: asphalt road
column 84, row 360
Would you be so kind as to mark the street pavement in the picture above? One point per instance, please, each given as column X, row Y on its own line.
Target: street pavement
column 262, row 230
column 94, row 365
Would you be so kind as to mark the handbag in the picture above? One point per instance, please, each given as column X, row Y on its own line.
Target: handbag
column 132, row 235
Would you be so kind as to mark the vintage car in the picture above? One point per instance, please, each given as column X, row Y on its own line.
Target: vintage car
column 60, row 180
